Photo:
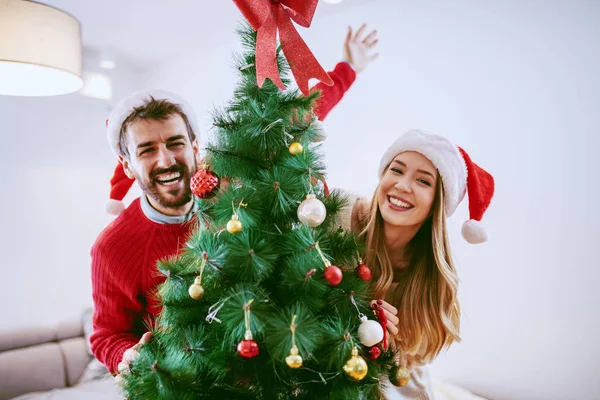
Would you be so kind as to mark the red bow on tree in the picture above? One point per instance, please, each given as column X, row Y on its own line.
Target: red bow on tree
column 267, row 17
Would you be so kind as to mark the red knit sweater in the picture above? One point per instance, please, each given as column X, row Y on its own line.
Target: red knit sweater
column 124, row 274
column 343, row 77
column 124, row 277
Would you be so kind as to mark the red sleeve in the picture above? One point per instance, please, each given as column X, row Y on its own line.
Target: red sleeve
column 343, row 77
column 118, row 312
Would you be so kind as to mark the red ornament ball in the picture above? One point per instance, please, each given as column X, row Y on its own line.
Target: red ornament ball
column 204, row 183
column 364, row 272
column 247, row 348
column 374, row 352
column 333, row 275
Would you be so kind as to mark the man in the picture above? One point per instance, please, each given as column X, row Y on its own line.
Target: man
column 154, row 137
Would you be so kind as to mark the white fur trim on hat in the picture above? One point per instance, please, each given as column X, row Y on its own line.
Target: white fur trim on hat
column 443, row 155
column 128, row 104
column 474, row 232
column 114, row 207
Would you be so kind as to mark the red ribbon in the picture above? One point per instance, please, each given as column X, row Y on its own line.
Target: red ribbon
column 269, row 16
column 378, row 308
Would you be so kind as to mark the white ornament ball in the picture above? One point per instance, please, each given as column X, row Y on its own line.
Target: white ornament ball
column 312, row 211
column 370, row 332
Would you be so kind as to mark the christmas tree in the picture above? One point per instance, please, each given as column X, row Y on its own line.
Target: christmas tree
column 265, row 302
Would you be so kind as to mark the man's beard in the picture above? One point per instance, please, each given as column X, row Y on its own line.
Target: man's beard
column 175, row 198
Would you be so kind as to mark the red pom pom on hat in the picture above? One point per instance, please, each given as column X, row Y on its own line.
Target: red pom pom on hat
column 480, row 189
column 119, row 186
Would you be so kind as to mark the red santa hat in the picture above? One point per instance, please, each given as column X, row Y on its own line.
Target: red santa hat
column 458, row 172
column 120, row 182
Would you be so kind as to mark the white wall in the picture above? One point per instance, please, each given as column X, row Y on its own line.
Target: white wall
column 516, row 84
column 56, row 167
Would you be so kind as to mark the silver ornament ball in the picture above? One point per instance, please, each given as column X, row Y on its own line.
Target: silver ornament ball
column 312, row 211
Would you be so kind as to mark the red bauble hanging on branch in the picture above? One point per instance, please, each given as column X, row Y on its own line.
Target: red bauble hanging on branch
column 247, row 348
column 333, row 274
column 374, row 352
column 204, row 183
column 364, row 272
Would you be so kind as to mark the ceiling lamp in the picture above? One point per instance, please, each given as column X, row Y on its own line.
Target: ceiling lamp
column 40, row 50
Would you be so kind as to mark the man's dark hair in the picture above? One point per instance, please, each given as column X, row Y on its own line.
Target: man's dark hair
column 158, row 110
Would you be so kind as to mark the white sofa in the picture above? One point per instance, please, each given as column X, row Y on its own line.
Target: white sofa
column 53, row 363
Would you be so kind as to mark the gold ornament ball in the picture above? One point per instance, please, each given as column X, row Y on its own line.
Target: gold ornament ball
column 196, row 291
column 234, row 225
column 295, row 148
column 399, row 376
column 356, row 367
column 294, row 361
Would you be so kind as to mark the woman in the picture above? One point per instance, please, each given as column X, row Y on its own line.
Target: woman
column 423, row 178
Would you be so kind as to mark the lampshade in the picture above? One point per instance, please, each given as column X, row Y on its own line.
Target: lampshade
column 40, row 50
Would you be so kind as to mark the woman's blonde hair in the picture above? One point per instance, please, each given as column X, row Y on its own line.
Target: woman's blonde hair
column 426, row 296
